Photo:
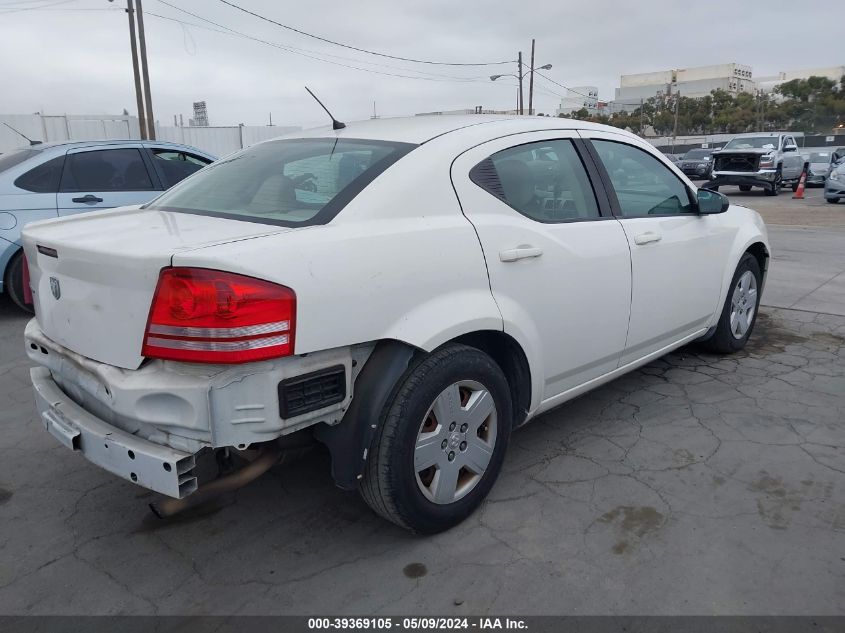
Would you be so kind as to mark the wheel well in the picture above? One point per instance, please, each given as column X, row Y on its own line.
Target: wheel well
column 509, row 356
column 761, row 254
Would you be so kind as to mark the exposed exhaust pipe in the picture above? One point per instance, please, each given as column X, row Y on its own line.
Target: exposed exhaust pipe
column 268, row 457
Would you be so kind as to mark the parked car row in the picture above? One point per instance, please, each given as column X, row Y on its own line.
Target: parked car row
column 60, row 179
column 406, row 291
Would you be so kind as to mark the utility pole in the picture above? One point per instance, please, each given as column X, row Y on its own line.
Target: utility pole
column 139, row 99
column 519, row 74
column 642, row 107
column 151, row 127
column 675, row 128
column 531, row 83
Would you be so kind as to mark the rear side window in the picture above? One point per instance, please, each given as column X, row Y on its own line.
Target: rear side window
column 44, row 178
column 106, row 170
column 295, row 182
column 544, row 181
column 175, row 165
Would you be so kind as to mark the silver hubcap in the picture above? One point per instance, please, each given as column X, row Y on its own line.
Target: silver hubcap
column 743, row 304
column 455, row 442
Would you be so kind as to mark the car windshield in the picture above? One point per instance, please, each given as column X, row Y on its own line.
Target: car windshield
column 7, row 161
column 296, row 182
column 703, row 154
column 819, row 157
column 753, row 142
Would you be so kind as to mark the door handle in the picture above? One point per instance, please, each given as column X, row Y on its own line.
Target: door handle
column 648, row 236
column 88, row 199
column 520, row 252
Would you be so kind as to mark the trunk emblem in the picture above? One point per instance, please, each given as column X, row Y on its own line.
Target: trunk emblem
column 55, row 287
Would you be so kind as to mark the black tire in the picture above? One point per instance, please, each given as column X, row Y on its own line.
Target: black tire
column 794, row 187
column 723, row 340
column 13, row 282
column 745, row 187
column 389, row 484
column 776, row 185
column 832, row 200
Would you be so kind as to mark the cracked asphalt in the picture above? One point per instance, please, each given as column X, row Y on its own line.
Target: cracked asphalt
column 699, row 484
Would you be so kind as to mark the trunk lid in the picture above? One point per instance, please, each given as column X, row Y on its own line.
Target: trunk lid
column 93, row 276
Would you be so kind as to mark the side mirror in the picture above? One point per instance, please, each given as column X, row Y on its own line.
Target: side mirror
column 710, row 202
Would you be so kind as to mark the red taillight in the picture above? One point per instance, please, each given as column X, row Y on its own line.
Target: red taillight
column 210, row 316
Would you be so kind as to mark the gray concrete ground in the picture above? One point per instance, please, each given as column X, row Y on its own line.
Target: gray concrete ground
column 697, row 485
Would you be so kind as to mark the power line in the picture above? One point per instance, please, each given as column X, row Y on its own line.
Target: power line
column 561, row 85
column 310, row 54
column 305, row 50
column 355, row 48
column 43, row 6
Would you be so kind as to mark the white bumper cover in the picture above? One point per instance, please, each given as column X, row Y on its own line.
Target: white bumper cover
column 156, row 467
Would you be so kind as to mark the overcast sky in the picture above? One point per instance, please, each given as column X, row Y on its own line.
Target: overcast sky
column 72, row 56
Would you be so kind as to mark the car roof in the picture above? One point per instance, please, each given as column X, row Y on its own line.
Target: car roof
column 111, row 141
column 424, row 128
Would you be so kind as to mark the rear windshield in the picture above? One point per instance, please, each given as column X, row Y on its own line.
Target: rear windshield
column 820, row 157
column 295, row 182
column 699, row 153
column 7, row 161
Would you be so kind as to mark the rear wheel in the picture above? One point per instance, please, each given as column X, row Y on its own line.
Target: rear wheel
column 441, row 441
column 13, row 282
column 832, row 200
column 745, row 187
column 740, row 310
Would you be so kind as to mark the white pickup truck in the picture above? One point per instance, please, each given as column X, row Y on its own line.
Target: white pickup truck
column 405, row 291
column 762, row 160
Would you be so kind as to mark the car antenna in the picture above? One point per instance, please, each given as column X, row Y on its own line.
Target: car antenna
column 31, row 142
column 336, row 125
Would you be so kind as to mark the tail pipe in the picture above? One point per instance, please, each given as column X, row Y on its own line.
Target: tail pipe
column 267, row 458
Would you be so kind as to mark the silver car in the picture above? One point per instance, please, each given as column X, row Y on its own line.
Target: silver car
column 57, row 179
column 834, row 184
column 819, row 166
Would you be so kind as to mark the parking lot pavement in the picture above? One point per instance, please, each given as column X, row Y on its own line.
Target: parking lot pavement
column 696, row 485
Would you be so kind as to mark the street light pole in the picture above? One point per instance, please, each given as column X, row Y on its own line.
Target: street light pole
column 531, row 83
column 151, row 126
column 520, row 75
column 139, row 99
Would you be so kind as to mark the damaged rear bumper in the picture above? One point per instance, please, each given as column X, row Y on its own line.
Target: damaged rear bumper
column 159, row 468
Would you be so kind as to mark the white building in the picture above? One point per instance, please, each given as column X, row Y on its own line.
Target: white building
column 768, row 84
column 578, row 98
column 688, row 82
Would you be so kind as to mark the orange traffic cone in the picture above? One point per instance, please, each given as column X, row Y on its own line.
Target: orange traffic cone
column 799, row 193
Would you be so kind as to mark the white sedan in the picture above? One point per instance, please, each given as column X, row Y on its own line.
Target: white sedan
column 405, row 291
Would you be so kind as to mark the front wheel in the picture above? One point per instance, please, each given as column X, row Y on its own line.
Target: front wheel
column 745, row 187
column 776, row 184
column 832, row 200
column 13, row 282
column 740, row 310
column 441, row 441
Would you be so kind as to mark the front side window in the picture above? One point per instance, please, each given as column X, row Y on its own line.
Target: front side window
column 176, row 165
column 292, row 182
column 544, row 181
column 106, row 170
column 644, row 186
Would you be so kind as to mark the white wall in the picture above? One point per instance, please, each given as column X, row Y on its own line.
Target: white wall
column 55, row 128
